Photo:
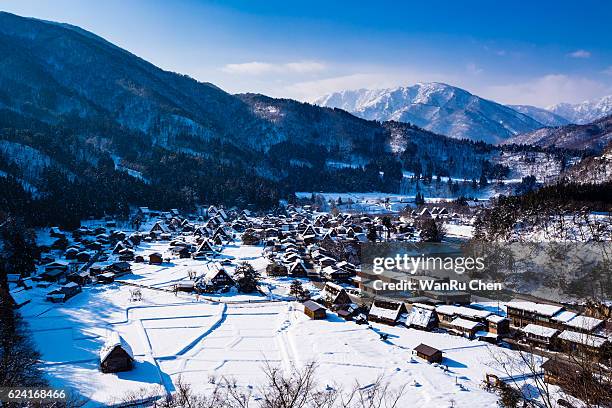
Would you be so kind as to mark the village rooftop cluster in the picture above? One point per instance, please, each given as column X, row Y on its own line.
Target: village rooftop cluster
column 306, row 259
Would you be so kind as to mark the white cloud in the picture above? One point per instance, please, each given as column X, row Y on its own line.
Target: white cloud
column 607, row 71
column 579, row 54
column 304, row 67
column 261, row 68
column 251, row 68
column 547, row 90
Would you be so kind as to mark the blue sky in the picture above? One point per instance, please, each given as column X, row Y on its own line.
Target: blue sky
column 531, row 52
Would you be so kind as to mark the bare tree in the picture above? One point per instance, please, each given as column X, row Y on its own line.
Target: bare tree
column 577, row 375
column 297, row 388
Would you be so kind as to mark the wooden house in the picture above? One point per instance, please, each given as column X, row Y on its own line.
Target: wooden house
column 95, row 270
column 188, row 287
column 19, row 297
column 387, row 312
column 421, row 316
column 205, row 248
column 298, row 269
column 126, row 255
column 314, row 310
column 216, row 279
column 335, row 274
column 116, row 355
column 335, row 295
column 498, row 325
column 465, row 327
column 523, row 313
column 183, row 252
column 276, row 269
column 348, row 267
column 155, row 259
column 64, row 293
column 81, row 278
column 589, row 345
column 55, row 271
column 345, row 314
column 119, row 246
column 448, row 313
column 120, row 268
column 539, row 336
column 158, row 229
column 105, row 278
column 428, row 353
column 584, row 324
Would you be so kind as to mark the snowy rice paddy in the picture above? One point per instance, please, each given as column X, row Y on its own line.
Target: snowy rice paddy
column 196, row 339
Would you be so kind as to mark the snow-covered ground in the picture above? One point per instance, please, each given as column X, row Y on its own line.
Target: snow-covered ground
column 374, row 202
column 176, row 336
column 234, row 336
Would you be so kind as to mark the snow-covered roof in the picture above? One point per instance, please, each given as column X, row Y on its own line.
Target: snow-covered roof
column 564, row 316
column 495, row 318
column 581, row 338
column 213, row 272
column 21, row 297
column 540, row 331
column 419, row 317
column 333, row 286
column 381, row 312
column 465, row 324
column 584, row 323
column 424, row 306
column 483, row 334
column 463, row 311
column 539, row 308
column 114, row 340
column 13, row 277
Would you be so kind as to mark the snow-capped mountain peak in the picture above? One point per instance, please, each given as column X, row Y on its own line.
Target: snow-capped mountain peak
column 437, row 107
column 584, row 112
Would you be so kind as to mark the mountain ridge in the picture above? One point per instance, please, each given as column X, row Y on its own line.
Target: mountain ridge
column 542, row 115
column 437, row 107
column 593, row 136
column 584, row 112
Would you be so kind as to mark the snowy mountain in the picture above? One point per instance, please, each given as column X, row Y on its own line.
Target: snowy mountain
column 89, row 126
column 593, row 136
column 543, row 116
column 437, row 107
column 585, row 112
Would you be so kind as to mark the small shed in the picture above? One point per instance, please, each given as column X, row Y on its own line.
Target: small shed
column 107, row 277
column 116, row 355
column 155, row 258
column 184, row 287
column 428, row 353
column 314, row 310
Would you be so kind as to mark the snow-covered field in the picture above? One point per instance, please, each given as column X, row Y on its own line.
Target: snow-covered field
column 374, row 203
column 176, row 336
column 179, row 335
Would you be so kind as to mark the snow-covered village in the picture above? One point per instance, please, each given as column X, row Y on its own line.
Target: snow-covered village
column 278, row 204
column 124, row 311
